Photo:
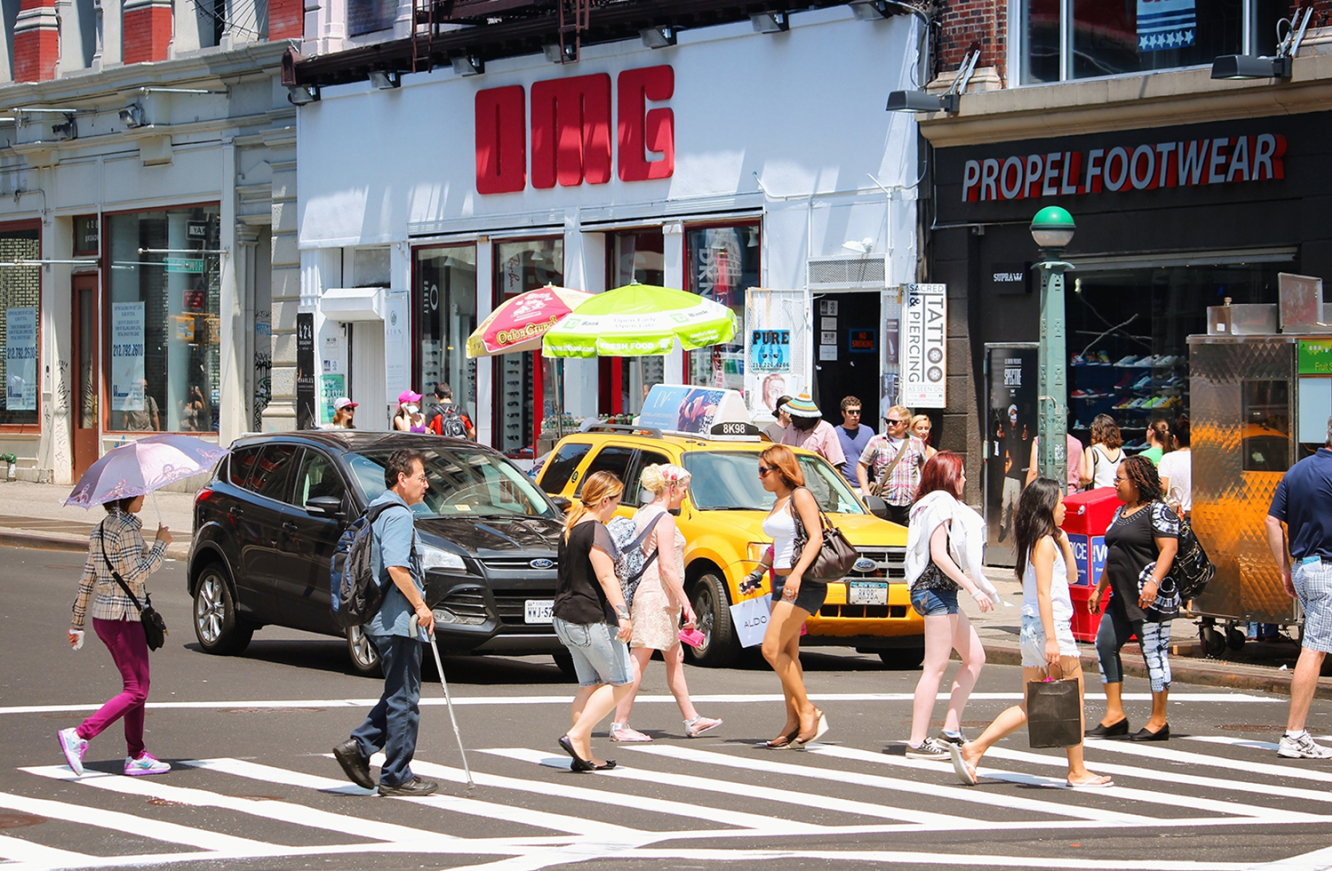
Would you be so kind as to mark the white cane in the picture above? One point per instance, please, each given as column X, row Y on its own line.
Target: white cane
column 439, row 666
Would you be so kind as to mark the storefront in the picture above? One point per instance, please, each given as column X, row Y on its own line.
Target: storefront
column 723, row 163
column 1170, row 220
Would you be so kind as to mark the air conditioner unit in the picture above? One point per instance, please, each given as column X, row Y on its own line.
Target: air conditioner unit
column 848, row 273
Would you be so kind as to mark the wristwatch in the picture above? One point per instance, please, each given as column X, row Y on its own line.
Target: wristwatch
column 622, row 613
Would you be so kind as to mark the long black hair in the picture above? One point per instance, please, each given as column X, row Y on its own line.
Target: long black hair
column 1035, row 518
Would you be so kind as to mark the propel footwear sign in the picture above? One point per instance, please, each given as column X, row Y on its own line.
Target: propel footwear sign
column 923, row 338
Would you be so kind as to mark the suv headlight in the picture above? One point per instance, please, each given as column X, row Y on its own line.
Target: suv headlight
column 435, row 558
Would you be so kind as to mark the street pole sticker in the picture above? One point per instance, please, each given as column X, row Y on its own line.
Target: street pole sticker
column 923, row 344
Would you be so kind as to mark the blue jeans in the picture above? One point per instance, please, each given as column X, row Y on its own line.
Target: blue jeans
column 599, row 656
column 392, row 723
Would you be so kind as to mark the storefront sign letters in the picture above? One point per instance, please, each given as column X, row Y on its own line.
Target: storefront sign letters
column 1223, row 160
column 1315, row 357
column 924, row 336
column 571, row 131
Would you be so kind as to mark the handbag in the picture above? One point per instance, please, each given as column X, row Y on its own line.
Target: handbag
column 836, row 557
column 1192, row 570
column 154, row 627
column 750, row 619
column 1054, row 712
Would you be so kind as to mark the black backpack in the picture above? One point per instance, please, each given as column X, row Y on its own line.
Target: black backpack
column 357, row 595
column 1192, row 569
column 451, row 422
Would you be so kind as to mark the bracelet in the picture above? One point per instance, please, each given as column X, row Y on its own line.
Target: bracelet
column 978, row 592
column 622, row 613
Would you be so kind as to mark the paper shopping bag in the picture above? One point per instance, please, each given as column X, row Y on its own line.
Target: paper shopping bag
column 1054, row 713
column 750, row 618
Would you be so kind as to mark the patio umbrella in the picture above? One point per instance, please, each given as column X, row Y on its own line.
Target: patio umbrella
column 142, row 467
column 640, row 320
column 520, row 321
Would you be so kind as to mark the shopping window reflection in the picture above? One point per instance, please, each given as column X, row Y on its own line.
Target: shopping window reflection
column 723, row 263
column 446, row 307
column 520, row 266
column 638, row 255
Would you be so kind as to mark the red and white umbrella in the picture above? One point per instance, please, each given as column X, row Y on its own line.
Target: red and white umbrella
column 520, row 321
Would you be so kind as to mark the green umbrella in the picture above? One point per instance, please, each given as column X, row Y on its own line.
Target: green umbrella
column 640, row 320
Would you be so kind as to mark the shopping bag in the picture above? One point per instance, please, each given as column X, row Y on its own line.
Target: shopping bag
column 750, row 618
column 1054, row 713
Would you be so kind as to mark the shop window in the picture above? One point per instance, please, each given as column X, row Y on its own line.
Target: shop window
column 369, row 16
column 524, row 381
column 87, row 236
column 445, row 291
column 723, row 264
column 20, row 314
column 162, row 320
column 1107, row 39
column 639, row 256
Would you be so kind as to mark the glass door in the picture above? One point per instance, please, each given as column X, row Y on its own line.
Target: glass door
column 86, row 387
column 637, row 255
column 522, row 394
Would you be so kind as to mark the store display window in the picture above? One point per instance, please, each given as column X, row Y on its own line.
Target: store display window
column 20, row 316
column 445, row 299
column 638, row 255
column 723, row 262
column 1107, row 39
column 161, row 320
column 525, row 383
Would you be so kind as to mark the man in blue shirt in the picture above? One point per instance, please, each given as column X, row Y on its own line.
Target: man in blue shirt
column 853, row 438
column 1303, row 500
column 392, row 723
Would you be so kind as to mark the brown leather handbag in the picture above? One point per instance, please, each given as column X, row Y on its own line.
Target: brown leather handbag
column 836, row 556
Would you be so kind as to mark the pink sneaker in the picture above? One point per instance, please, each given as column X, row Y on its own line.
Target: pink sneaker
column 74, row 747
column 145, row 764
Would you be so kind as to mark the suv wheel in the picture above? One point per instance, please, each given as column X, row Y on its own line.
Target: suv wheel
column 364, row 654
column 712, row 606
column 903, row 658
column 565, row 664
column 218, row 627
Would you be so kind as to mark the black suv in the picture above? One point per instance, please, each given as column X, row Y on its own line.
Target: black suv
column 266, row 526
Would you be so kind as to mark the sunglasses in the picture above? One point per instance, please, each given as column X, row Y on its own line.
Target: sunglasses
column 893, row 420
column 763, row 470
column 853, row 411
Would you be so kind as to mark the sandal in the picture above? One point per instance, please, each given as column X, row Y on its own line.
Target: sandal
column 820, row 728
column 1095, row 783
column 966, row 772
column 620, row 732
column 782, row 740
column 699, row 725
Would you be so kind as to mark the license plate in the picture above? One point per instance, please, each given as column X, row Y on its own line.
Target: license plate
column 863, row 593
column 542, row 610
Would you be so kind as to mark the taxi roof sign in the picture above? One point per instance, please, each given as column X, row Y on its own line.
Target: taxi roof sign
column 700, row 411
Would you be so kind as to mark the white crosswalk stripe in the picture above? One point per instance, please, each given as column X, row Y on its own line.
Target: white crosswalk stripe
column 528, row 812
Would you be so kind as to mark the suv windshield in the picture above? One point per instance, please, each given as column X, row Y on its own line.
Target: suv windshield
column 462, row 484
column 729, row 481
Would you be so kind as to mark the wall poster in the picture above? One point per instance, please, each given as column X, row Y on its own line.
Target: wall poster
column 21, row 358
column 923, row 343
column 127, row 356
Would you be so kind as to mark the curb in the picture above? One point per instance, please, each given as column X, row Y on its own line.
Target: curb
column 71, row 544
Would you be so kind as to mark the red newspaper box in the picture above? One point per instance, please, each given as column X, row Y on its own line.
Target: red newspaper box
column 1086, row 517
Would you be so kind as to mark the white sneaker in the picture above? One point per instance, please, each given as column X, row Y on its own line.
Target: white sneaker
column 74, row 747
column 930, row 748
column 145, row 764
column 1302, row 747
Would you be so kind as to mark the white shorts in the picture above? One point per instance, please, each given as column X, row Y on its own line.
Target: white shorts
column 1032, row 641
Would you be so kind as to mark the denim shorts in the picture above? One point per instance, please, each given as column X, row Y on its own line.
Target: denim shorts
column 1031, row 641
column 1313, row 584
column 934, row 603
column 598, row 656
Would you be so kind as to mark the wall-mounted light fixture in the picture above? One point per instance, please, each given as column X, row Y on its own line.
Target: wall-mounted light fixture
column 658, row 37
column 770, row 22
column 66, row 131
column 1243, row 66
column 132, row 116
column 385, row 80
column 949, row 101
column 302, row 95
column 557, row 55
column 870, row 10
column 467, row 65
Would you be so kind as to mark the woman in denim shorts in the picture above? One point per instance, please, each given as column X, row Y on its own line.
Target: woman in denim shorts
column 934, row 595
column 1046, row 566
column 590, row 616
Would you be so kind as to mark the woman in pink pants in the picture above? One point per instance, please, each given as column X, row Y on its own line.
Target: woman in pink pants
column 117, row 544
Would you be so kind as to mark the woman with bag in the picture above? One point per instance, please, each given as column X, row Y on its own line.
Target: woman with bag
column 116, row 547
column 1102, row 458
column 794, row 596
column 1045, row 563
column 941, row 531
column 590, row 616
column 1141, row 543
column 659, row 601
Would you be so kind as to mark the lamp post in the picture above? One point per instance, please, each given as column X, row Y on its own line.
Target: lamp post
column 1052, row 228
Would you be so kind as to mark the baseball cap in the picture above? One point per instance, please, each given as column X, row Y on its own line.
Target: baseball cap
column 343, row 402
column 408, row 396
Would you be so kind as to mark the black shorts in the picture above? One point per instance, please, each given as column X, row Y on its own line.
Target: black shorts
column 810, row 598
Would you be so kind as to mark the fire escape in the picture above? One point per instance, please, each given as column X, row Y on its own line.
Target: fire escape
column 433, row 18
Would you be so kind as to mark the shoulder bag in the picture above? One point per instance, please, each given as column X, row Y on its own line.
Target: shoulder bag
column 836, row 555
column 879, row 485
column 1192, row 570
column 154, row 627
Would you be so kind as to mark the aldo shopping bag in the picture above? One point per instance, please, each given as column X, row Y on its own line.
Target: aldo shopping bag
column 750, row 617
column 1054, row 713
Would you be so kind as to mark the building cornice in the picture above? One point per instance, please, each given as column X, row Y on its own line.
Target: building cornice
column 1166, row 99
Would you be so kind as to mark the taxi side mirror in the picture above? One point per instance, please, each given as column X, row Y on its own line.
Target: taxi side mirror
column 877, row 506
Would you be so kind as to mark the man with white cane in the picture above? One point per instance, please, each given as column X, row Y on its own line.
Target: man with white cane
column 448, row 700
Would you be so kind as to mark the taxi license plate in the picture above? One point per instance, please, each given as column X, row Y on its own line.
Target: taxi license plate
column 541, row 611
column 863, row 593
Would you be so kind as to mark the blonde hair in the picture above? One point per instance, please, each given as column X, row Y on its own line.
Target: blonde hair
column 917, row 419
column 657, row 477
column 598, row 487
column 902, row 412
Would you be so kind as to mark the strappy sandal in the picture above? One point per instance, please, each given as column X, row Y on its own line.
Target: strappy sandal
column 699, row 725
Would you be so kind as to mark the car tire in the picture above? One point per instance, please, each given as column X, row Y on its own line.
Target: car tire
column 565, row 664
column 903, row 658
column 218, row 627
column 363, row 653
column 712, row 607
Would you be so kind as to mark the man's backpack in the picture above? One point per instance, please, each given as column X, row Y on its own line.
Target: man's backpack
column 357, row 595
column 450, row 422
column 1192, row 569
column 630, row 563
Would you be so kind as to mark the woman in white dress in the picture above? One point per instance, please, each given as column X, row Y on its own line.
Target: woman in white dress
column 659, row 601
column 1176, row 471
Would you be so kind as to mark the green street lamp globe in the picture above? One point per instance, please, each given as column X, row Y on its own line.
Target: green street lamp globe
column 1052, row 228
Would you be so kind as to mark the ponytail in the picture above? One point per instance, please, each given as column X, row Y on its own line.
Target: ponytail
column 598, row 487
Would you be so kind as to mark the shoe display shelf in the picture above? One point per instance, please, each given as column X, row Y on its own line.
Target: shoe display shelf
column 1133, row 389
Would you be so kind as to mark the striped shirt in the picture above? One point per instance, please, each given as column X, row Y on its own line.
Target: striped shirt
column 126, row 549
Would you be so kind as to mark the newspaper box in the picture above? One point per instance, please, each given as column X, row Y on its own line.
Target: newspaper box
column 1086, row 517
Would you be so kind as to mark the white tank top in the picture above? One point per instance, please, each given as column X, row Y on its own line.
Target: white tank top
column 780, row 527
column 1104, row 468
column 1060, row 601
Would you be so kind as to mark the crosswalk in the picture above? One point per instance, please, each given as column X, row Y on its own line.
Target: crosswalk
column 675, row 803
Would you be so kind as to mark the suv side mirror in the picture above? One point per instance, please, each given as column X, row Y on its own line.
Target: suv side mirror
column 877, row 506
column 325, row 506
column 561, row 502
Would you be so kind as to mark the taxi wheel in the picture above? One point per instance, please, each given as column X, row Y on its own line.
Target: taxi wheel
column 364, row 655
column 903, row 658
column 712, row 607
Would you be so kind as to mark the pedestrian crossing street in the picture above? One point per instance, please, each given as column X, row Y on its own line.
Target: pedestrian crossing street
column 675, row 803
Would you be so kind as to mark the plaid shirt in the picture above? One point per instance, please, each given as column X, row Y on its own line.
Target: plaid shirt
column 900, row 488
column 125, row 547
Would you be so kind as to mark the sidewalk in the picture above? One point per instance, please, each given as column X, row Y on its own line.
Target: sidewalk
column 31, row 516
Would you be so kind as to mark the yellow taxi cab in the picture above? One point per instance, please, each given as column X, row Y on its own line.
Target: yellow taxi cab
column 721, row 519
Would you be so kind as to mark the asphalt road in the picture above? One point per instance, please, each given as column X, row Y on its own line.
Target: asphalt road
column 254, row 787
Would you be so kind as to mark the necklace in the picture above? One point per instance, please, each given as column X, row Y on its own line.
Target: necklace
column 1130, row 511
